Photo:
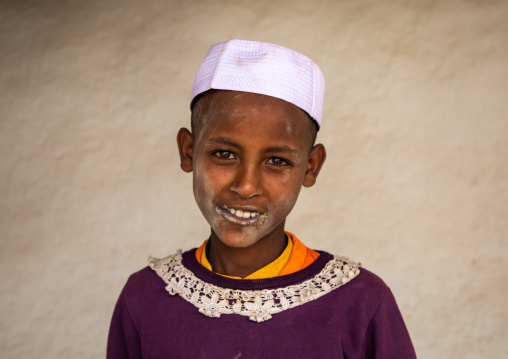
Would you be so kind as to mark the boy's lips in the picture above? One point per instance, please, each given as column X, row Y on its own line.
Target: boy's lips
column 241, row 216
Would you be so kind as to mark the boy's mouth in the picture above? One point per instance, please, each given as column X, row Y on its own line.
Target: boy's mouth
column 243, row 217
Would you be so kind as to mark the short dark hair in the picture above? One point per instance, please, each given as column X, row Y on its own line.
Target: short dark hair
column 197, row 108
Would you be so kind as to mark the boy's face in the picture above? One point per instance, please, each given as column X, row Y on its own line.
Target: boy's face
column 250, row 155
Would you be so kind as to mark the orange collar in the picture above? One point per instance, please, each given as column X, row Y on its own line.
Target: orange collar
column 295, row 257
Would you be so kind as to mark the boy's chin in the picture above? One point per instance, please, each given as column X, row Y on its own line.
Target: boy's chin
column 240, row 239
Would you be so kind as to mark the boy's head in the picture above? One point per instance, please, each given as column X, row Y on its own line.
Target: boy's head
column 255, row 112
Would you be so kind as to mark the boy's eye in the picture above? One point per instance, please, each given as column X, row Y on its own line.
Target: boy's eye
column 277, row 161
column 224, row 155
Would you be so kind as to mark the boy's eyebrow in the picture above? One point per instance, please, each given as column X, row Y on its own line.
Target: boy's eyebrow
column 282, row 149
column 223, row 141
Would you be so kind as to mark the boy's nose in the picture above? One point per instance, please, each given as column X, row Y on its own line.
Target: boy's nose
column 247, row 182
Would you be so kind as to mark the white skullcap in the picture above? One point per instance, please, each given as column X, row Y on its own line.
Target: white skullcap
column 263, row 68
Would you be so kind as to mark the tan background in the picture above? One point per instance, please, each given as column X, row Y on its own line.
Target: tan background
column 415, row 185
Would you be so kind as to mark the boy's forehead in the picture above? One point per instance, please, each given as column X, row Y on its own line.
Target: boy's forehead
column 225, row 112
column 232, row 99
column 221, row 104
column 263, row 68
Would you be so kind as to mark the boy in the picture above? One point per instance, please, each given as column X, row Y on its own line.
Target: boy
column 253, row 290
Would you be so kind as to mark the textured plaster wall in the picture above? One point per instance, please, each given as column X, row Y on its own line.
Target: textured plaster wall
column 415, row 185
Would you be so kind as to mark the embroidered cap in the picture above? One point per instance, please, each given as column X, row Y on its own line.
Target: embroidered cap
column 263, row 68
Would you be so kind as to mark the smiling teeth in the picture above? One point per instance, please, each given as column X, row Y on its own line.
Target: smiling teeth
column 242, row 214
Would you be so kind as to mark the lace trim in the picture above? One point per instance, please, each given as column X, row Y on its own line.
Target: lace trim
column 258, row 305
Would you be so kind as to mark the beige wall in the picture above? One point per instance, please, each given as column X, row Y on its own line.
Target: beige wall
column 415, row 185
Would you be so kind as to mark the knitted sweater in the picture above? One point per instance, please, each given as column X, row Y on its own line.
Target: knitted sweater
column 331, row 309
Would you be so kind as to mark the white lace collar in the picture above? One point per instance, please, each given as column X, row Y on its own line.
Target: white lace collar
column 258, row 305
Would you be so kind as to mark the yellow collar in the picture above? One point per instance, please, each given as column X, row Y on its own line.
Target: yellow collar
column 272, row 269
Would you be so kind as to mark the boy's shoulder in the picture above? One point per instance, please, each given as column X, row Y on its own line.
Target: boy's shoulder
column 372, row 281
column 143, row 280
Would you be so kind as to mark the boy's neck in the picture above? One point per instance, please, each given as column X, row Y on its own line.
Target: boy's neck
column 240, row 262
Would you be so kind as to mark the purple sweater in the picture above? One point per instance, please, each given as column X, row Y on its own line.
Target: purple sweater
column 360, row 319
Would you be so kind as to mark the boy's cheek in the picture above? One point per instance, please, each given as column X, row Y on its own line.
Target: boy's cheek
column 200, row 184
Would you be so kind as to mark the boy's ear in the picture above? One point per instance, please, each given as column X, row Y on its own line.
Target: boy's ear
column 316, row 159
column 186, row 148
